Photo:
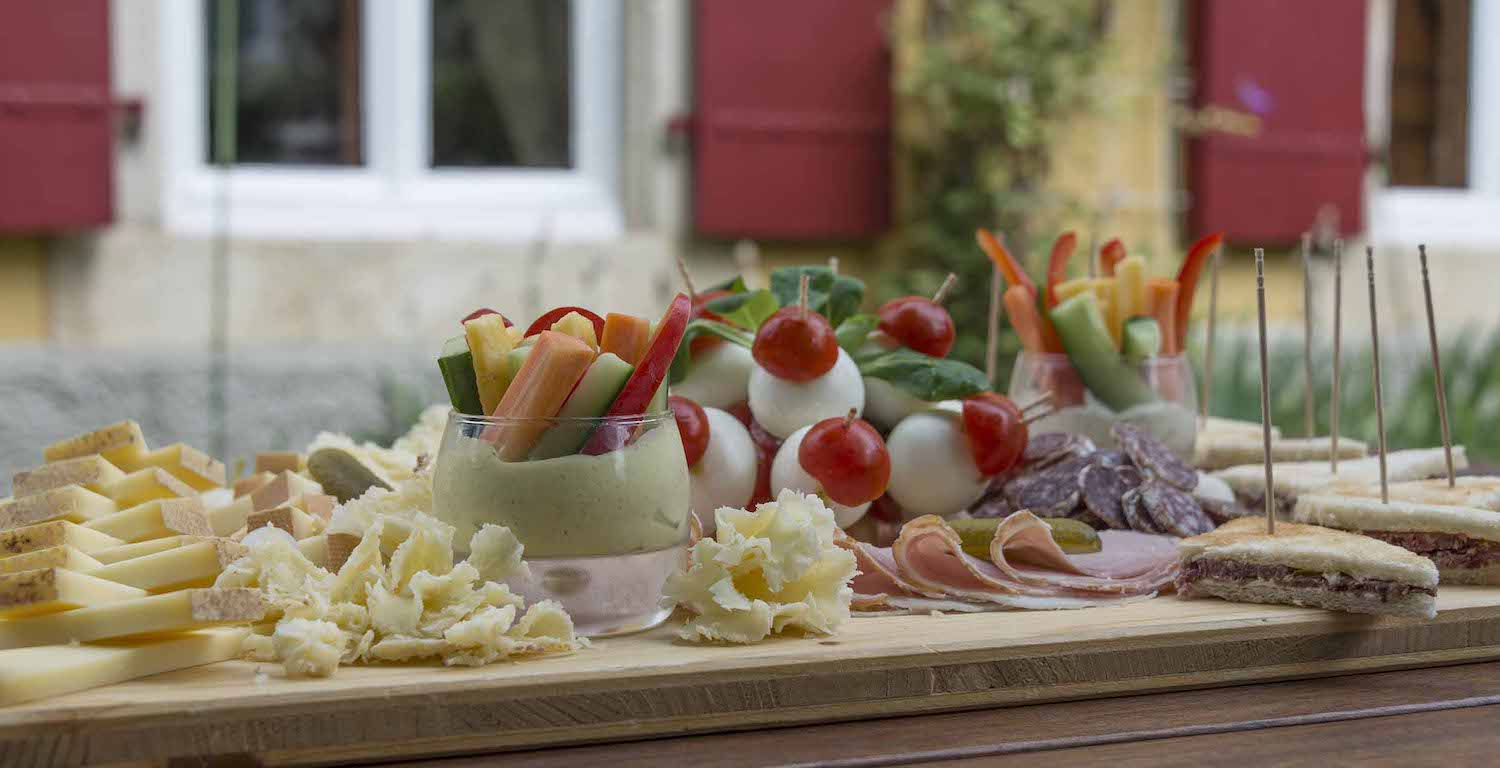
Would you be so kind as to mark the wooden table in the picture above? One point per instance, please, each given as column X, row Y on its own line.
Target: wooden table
column 1406, row 717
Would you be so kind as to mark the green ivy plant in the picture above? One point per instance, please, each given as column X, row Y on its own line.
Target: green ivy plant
column 982, row 87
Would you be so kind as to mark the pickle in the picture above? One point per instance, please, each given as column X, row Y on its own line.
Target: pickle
column 1074, row 537
column 341, row 475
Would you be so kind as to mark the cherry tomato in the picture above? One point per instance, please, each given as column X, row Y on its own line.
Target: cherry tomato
column 692, row 424
column 545, row 321
column 795, row 344
column 741, row 411
column 919, row 324
column 482, row 311
column 766, row 446
column 995, row 430
column 847, row 457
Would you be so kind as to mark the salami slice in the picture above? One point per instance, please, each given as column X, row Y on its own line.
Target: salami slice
column 1052, row 447
column 1102, row 489
column 1088, row 518
column 991, row 506
column 1135, row 515
column 1130, row 476
column 1154, row 458
column 1045, row 494
column 1111, row 458
column 1173, row 511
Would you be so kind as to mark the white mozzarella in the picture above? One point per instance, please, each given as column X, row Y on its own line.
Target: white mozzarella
column 787, row 472
column 932, row 471
column 725, row 476
column 886, row 404
column 718, row 378
column 782, row 407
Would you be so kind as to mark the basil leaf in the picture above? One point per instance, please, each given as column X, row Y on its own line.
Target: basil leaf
column 682, row 362
column 844, row 299
column 836, row 297
column 853, row 332
column 925, row 378
column 734, row 284
column 746, row 310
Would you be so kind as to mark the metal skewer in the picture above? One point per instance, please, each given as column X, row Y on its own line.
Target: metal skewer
column 1208, row 342
column 1309, row 419
column 1265, row 389
column 1338, row 323
column 1385, row 494
column 992, row 338
column 1437, row 369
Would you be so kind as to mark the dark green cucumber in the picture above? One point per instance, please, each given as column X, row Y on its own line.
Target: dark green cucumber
column 1141, row 339
column 1086, row 339
column 457, row 366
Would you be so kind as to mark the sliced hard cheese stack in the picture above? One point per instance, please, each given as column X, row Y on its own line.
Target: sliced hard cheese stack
column 154, row 520
column 146, row 485
column 124, row 551
column 173, row 612
column 58, row 533
column 191, row 466
column 53, row 670
column 54, row 589
column 51, row 557
column 91, row 472
column 290, row 519
column 71, row 503
column 120, row 444
column 191, row 566
column 281, row 490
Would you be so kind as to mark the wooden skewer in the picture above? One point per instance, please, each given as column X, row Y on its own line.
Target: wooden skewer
column 1385, row 494
column 833, row 265
column 802, row 287
column 1208, row 342
column 1437, row 369
column 687, row 279
column 746, row 257
column 1038, row 416
column 1265, row 390
column 944, row 289
column 1044, row 399
column 1338, row 327
column 1309, row 419
column 992, row 337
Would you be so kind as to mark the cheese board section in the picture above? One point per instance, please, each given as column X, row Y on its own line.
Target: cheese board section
column 651, row 684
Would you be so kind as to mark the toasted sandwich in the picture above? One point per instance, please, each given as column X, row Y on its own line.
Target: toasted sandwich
column 1296, row 478
column 1463, row 542
column 1224, row 450
column 1214, row 426
column 1481, row 492
column 1307, row 565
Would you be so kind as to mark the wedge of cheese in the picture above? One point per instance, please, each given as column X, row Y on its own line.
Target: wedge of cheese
column 194, row 468
column 53, row 670
column 120, row 444
column 276, row 462
column 194, row 565
column 319, row 505
column 72, row 503
column 248, row 485
column 229, row 518
column 155, row 519
column 50, row 590
column 51, row 557
column 124, row 551
column 146, row 485
column 288, row 518
column 281, row 490
column 59, row 533
column 173, row 612
column 91, row 472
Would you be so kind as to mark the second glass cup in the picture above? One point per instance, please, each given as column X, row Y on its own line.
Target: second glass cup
column 1169, row 411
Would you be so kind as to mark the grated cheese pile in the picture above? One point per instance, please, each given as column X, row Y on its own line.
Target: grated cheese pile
column 396, row 463
column 765, row 572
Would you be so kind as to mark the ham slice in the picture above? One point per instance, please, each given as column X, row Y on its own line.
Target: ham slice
column 1130, row 563
column 878, row 579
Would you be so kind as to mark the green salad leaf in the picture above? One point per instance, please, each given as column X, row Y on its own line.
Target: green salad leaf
column 747, row 309
column 700, row 327
column 836, row 297
column 923, row 377
column 853, row 332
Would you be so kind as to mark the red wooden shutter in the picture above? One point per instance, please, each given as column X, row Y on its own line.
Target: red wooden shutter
column 55, row 115
column 792, row 119
column 1300, row 66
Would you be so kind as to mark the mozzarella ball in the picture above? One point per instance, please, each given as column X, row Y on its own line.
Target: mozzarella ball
column 718, row 378
column 725, row 476
column 932, row 471
column 787, row 472
column 782, row 407
column 886, row 404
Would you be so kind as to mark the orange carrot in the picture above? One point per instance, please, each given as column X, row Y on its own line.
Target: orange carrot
column 1161, row 303
column 1111, row 254
column 626, row 336
column 1020, row 307
column 1009, row 268
column 538, row 392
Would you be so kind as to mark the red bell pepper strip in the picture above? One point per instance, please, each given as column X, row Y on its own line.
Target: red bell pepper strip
column 545, row 321
column 1187, row 280
column 1057, row 265
column 1009, row 268
column 1111, row 254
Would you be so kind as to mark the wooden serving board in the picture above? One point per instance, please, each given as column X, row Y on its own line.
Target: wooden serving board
column 650, row 684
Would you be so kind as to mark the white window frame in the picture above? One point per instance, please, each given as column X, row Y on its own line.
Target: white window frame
column 395, row 194
column 1467, row 217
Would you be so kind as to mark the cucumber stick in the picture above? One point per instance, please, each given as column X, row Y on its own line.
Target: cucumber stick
column 1086, row 339
column 595, row 392
column 1142, row 339
column 457, row 366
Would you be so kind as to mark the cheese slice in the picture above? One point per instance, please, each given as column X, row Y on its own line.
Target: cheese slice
column 91, row 472
column 190, row 566
column 229, row 518
column 172, row 612
column 125, row 551
column 319, row 505
column 248, row 485
column 53, row 670
column 50, row 590
column 70, row 502
column 51, row 557
column 315, row 549
column 276, row 462
column 154, row 520
column 281, row 490
column 194, row 468
column 290, row 519
column 58, row 533
column 120, row 444
column 146, row 485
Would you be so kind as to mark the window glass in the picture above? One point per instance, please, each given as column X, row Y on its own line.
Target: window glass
column 297, row 82
column 1430, row 94
column 501, row 83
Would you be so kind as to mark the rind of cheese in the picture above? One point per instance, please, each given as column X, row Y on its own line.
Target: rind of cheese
column 145, row 485
column 765, row 572
column 121, row 444
column 91, row 472
column 57, row 533
column 155, row 519
column 50, row 590
column 51, row 557
column 172, row 612
column 281, row 490
column 193, row 467
column 36, row 673
column 288, row 518
column 71, row 503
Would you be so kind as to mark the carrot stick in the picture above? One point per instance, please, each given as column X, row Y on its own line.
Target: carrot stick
column 1111, row 254
column 1057, row 264
column 1187, row 281
column 1161, row 303
column 1020, row 307
column 538, row 392
column 1009, row 268
column 626, row 336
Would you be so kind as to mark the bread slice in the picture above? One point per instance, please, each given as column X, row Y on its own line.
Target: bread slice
column 1310, row 548
column 1219, row 451
column 1295, row 478
column 1414, row 604
column 1358, row 513
column 1473, row 491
